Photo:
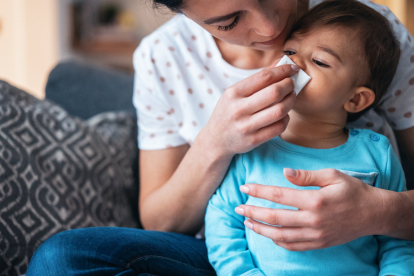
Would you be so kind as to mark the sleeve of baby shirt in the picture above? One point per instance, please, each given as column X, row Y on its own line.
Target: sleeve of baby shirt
column 395, row 256
column 226, row 242
column 157, row 124
column 398, row 103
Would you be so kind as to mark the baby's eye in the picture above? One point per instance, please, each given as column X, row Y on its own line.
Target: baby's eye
column 289, row 53
column 321, row 64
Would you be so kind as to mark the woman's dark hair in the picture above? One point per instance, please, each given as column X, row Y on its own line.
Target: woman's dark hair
column 173, row 5
column 380, row 47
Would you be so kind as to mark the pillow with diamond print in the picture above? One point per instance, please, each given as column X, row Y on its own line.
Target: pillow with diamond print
column 57, row 173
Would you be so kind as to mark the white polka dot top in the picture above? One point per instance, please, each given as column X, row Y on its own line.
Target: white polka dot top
column 180, row 74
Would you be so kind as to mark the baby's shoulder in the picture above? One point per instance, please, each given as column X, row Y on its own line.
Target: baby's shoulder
column 369, row 138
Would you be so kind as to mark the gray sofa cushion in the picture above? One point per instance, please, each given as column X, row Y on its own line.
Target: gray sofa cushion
column 58, row 173
column 85, row 91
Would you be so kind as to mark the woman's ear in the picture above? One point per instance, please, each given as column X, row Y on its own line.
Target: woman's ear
column 362, row 98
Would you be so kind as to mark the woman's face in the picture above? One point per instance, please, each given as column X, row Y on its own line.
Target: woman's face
column 258, row 24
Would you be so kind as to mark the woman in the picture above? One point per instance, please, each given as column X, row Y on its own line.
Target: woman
column 182, row 70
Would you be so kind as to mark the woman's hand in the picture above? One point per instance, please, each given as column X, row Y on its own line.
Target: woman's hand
column 251, row 111
column 343, row 209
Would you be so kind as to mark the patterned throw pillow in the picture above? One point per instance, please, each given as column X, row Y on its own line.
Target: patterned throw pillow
column 58, row 173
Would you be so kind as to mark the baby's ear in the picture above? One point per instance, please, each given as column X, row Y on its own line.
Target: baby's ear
column 361, row 99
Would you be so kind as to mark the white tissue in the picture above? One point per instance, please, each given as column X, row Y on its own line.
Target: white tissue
column 300, row 79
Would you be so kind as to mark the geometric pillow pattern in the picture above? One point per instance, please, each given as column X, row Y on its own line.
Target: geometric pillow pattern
column 58, row 172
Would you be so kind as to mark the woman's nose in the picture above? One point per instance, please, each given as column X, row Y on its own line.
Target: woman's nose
column 265, row 26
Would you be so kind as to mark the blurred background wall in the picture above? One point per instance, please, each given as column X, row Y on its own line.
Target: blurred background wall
column 37, row 34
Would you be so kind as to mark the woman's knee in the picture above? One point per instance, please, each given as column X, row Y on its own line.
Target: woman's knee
column 51, row 256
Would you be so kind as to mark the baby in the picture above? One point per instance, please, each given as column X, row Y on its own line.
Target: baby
column 351, row 54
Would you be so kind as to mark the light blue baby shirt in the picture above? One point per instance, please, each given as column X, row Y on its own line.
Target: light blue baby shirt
column 233, row 249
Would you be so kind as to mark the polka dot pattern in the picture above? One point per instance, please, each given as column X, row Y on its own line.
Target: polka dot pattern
column 411, row 82
column 408, row 115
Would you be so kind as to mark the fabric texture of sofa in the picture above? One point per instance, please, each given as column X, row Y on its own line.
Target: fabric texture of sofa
column 59, row 172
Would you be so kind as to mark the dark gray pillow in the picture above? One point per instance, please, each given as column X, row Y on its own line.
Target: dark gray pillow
column 58, row 173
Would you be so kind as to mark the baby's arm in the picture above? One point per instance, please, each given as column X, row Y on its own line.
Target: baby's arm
column 395, row 256
column 227, row 247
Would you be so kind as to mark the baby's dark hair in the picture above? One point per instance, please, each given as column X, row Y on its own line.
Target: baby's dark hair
column 381, row 48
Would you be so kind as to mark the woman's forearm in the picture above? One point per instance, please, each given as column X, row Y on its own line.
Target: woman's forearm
column 179, row 205
column 398, row 215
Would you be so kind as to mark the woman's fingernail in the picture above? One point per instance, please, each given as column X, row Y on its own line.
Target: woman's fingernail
column 244, row 189
column 290, row 172
column 248, row 224
column 295, row 67
column 239, row 211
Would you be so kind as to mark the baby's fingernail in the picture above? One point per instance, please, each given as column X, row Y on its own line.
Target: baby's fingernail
column 244, row 189
column 248, row 224
column 290, row 172
column 295, row 67
column 239, row 211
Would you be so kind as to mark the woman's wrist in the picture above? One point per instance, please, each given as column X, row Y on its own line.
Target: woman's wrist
column 389, row 217
column 210, row 147
column 397, row 214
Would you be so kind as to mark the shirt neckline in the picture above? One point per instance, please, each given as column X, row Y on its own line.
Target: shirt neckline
column 340, row 150
column 244, row 73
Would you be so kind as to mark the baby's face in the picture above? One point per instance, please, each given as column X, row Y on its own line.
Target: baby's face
column 327, row 55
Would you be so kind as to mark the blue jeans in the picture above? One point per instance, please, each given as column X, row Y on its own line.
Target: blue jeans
column 120, row 251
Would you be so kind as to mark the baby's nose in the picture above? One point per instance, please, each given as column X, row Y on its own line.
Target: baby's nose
column 299, row 61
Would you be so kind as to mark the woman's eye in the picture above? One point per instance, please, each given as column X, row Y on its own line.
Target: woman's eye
column 289, row 53
column 320, row 63
column 231, row 26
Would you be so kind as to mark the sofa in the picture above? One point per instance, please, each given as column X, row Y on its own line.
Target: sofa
column 69, row 161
